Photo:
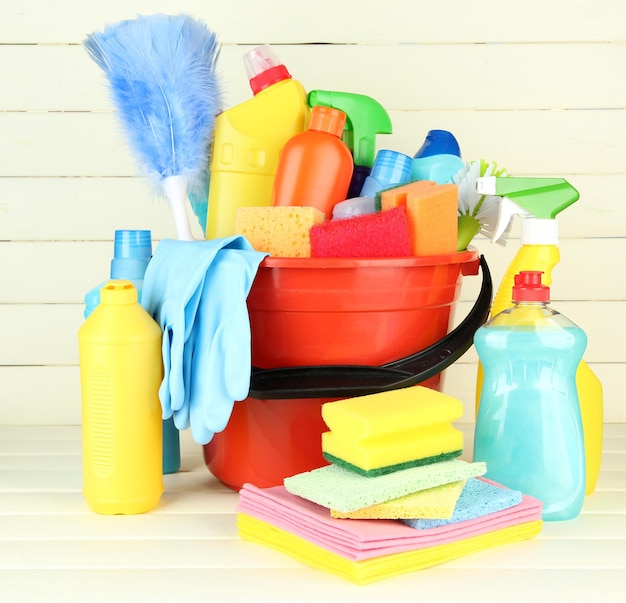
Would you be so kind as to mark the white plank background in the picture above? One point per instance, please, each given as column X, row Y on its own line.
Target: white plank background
column 538, row 86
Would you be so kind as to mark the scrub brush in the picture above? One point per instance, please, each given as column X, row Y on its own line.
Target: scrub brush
column 477, row 213
column 161, row 73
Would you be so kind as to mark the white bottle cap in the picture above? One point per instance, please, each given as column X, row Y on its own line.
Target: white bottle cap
column 539, row 231
column 260, row 59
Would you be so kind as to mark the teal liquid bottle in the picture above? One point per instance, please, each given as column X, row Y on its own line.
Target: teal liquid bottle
column 132, row 250
column 529, row 429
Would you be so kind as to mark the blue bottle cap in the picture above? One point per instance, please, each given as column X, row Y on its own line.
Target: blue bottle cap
column 131, row 254
column 133, row 244
column 390, row 168
column 439, row 142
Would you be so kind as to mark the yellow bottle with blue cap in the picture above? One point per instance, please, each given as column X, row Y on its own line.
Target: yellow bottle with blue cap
column 121, row 369
column 539, row 200
column 248, row 139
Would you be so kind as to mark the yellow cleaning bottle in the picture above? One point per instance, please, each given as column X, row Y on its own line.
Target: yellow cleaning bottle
column 120, row 372
column 539, row 200
column 248, row 139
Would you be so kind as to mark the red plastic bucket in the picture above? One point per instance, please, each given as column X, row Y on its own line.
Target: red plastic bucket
column 324, row 312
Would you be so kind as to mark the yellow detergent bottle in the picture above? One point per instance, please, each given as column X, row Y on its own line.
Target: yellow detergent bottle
column 248, row 139
column 539, row 200
column 120, row 372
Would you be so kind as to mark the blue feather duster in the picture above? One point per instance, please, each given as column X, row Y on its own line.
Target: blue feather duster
column 161, row 74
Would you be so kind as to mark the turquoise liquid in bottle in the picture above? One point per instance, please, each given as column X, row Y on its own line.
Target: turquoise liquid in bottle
column 529, row 428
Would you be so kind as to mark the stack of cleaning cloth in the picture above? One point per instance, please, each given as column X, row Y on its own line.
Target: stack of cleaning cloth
column 394, row 497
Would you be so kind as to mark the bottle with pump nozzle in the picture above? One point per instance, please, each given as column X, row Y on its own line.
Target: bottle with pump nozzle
column 120, row 372
column 248, row 140
column 539, row 200
column 315, row 166
column 529, row 429
column 365, row 117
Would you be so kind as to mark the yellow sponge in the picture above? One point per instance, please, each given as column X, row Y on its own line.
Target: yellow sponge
column 392, row 430
column 279, row 231
column 435, row 503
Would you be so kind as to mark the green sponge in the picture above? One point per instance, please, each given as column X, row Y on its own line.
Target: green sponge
column 337, row 488
column 444, row 456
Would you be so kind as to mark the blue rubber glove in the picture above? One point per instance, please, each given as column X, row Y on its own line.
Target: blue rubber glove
column 221, row 362
column 172, row 288
column 179, row 291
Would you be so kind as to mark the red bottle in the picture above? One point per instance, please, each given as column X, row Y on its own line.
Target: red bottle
column 315, row 166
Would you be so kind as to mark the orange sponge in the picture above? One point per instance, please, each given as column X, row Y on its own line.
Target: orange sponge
column 396, row 196
column 432, row 210
column 279, row 231
column 433, row 219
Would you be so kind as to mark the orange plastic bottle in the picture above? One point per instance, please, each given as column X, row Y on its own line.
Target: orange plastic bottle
column 315, row 166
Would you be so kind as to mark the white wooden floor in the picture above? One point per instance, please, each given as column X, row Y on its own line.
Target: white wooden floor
column 52, row 548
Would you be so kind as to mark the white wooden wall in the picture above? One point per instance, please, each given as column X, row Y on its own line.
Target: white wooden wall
column 538, row 86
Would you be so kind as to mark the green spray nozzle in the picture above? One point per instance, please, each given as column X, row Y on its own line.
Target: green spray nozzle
column 366, row 117
column 541, row 198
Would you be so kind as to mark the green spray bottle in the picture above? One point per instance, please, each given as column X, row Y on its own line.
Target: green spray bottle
column 539, row 200
column 366, row 117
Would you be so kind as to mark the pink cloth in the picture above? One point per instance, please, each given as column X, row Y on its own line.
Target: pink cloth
column 359, row 539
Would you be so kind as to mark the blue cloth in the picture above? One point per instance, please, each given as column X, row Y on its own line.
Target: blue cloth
column 196, row 291
column 478, row 498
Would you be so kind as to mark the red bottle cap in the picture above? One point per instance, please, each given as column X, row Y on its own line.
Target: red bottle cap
column 272, row 76
column 528, row 287
column 264, row 68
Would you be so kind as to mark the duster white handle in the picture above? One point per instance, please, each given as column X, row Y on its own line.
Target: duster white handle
column 175, row 187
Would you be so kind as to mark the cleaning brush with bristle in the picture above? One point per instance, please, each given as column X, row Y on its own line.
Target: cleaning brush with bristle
column 161, row 74
column 478, row 214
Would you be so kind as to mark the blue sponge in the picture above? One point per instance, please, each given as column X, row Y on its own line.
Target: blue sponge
column 477, row 499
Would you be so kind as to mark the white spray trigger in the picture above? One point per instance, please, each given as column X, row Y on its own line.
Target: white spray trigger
column 486, row 185
column 506, row 210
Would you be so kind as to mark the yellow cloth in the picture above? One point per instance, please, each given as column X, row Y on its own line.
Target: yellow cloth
column 435, row 503
column 377, row 568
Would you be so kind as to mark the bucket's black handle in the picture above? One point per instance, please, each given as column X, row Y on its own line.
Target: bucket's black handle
column 343, row 381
